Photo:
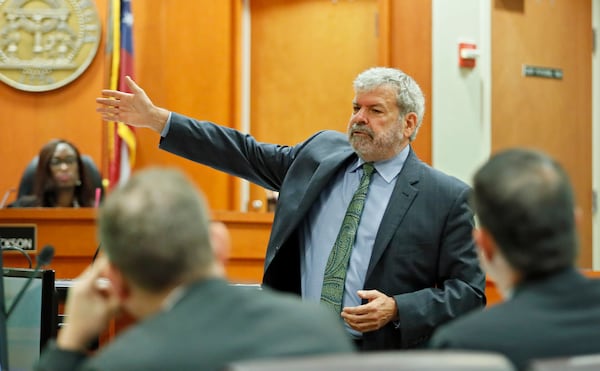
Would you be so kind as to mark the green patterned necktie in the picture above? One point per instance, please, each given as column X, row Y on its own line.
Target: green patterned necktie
column 337, row 264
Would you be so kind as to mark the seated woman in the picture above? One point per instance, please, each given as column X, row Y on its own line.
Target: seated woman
column 61, row 179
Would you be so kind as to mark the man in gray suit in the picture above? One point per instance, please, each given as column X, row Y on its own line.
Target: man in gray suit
column 413, row 264
column 527, row 239
column 163, row 264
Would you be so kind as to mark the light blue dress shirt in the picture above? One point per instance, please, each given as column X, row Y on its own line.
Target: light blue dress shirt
column 167, row 127
column 322, row 224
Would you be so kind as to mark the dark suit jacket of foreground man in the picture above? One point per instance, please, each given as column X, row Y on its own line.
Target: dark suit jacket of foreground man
column 212, row 325
column 554, row 317
column 423, row 254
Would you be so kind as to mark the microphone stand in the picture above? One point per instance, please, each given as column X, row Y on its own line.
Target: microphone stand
column 44, row 258
column 15, row 248
column 3, row 318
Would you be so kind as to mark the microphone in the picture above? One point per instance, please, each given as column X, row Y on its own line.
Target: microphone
column 44, row 258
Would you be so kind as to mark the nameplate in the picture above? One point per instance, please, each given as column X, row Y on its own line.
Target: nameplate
column 545, row 72
column 23, row 236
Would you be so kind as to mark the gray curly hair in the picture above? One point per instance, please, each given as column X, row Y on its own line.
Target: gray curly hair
column 409, row 96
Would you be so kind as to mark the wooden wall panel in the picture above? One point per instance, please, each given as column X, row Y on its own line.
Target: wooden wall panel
column 410, row 50
column 184, row 58
column 305, row 55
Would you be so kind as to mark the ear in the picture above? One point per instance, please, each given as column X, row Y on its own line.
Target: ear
column 220, row 240
column 118, row 281
column 410, row 124
column 485, row 243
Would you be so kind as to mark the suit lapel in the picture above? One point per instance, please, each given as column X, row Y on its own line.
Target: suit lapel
column 299, row 206
column 402, row 197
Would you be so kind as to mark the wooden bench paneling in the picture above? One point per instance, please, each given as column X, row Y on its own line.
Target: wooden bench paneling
column 72, row 232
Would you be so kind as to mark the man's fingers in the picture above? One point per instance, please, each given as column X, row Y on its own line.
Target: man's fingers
column 357, row 311
column 110, row 102
column 109, row 109
column 114, row 95
column 368, row 294
column 109, row 93
column 91, row 274
column 132, row 85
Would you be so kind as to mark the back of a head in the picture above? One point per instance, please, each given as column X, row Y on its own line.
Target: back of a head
column 525, row 200
column 155, row 229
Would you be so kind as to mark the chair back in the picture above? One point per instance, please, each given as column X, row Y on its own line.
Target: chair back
column 26, row 182
column 575, row 363
column 425, row 360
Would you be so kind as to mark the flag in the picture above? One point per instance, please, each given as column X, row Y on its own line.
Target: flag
column 121, row 138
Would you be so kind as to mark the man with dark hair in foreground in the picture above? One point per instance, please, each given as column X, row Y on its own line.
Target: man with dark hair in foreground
column 527, row 240
column 163, row 264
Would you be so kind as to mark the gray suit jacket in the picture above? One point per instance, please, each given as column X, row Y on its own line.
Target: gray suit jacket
column 423, row 255
column 212, row 325
column 554, row 317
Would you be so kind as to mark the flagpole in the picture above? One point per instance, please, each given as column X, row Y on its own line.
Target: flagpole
column 113, row 148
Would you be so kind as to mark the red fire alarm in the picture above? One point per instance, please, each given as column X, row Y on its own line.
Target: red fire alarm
column 467, row 55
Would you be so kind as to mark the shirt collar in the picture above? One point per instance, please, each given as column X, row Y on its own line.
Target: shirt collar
column 173, row 297
column 387, row 169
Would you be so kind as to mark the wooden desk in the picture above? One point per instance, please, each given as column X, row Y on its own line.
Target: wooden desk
column 72, row 232
column 249, row 238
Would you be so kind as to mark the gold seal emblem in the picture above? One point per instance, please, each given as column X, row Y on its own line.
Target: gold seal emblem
column 46, row 44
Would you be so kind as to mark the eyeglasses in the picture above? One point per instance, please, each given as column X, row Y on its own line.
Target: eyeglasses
column 57, row 162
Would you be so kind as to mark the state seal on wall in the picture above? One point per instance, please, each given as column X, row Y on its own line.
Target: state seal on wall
column 46, row 44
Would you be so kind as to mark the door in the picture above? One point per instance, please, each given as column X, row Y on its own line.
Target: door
column 554, row 115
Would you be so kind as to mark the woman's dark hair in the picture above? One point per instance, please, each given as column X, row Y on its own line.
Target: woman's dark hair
column 44, row 185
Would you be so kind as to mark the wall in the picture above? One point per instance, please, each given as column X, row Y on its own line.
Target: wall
column 188, row 59
column 184, row 59
column 409, row 49
column 28, row 120
column 461, row 103
column 461, row 138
